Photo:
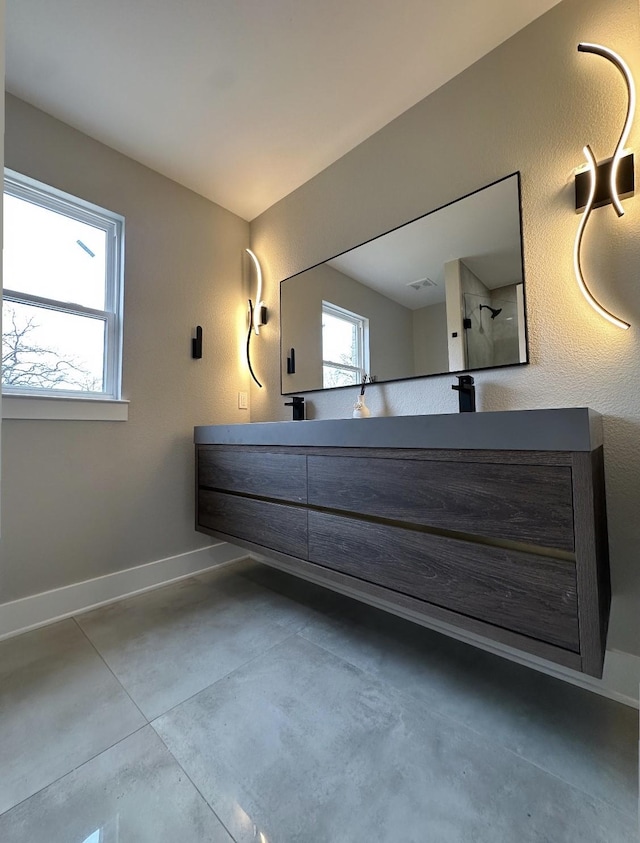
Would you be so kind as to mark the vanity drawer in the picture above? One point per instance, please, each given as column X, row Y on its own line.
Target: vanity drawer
column 522, row 592
column 272, row 525
column 531, row 504
column 271, row 475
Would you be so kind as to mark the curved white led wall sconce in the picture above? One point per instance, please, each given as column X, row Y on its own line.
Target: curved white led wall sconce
column 604, row 182
column 257, row 314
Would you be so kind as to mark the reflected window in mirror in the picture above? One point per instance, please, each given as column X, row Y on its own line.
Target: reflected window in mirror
column 443, row 293
column 345, row 346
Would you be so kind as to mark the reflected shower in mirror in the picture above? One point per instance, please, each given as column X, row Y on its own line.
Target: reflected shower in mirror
column 443, row 293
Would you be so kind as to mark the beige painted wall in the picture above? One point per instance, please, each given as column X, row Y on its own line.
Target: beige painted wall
column 81, row 499
column 430, row 339
column 530, row 105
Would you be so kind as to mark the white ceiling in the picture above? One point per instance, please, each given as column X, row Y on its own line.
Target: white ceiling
column 244, row 100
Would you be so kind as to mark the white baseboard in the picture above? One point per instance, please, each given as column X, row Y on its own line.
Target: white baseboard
column 40, row 609
column 620, row 680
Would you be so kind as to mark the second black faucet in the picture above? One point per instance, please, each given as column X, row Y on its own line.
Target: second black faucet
column 466, row 394
column 297, row 402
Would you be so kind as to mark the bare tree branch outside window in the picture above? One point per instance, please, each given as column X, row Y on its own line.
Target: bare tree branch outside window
column 27, row 364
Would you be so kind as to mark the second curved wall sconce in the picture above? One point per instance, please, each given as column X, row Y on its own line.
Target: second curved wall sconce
column 606, row 182
column 257, row 313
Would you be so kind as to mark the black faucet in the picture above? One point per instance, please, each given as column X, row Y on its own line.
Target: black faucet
column 297, row 402
column 466, row 393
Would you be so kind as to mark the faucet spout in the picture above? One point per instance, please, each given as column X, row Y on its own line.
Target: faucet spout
column 466, row 394
column 297, row 403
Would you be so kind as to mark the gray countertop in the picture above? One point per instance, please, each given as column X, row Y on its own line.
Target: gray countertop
column 570, row 429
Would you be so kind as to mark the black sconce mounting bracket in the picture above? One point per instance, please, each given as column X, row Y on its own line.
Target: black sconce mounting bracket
column 196, row 344
column 625, row 182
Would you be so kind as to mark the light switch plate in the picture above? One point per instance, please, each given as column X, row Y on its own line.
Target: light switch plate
column 243, row 403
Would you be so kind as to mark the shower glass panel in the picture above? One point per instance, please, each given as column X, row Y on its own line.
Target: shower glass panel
column 491, row 337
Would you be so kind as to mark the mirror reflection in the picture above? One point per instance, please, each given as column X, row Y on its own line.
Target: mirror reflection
column 443, row 293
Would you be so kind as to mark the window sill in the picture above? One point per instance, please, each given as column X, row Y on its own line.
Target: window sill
column 63, row 409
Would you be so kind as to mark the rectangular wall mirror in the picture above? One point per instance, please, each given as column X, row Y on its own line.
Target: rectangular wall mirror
column 442, row 293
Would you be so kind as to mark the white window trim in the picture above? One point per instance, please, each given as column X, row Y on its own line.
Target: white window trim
column 46, row 408
column 362, row 325
column 56, row 404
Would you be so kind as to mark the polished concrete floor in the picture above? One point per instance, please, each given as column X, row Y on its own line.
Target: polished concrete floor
column 247, row 705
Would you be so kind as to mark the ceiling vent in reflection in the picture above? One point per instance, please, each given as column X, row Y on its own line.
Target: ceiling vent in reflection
column 422, row 282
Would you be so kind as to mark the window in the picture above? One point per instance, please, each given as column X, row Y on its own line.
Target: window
column 62, row 298
column 345, row 346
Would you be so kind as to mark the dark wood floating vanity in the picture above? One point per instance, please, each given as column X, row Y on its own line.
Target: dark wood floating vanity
column 493, row 523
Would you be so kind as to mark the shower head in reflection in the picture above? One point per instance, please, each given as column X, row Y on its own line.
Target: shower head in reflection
column 495, row 311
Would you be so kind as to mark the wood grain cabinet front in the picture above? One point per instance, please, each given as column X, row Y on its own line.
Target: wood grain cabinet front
column 508, row 545
column 524, row 503
column 250, row 471
column 272, row 525
column 530, row 594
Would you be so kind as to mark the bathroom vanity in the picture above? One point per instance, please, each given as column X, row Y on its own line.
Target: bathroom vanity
column 491, row 523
